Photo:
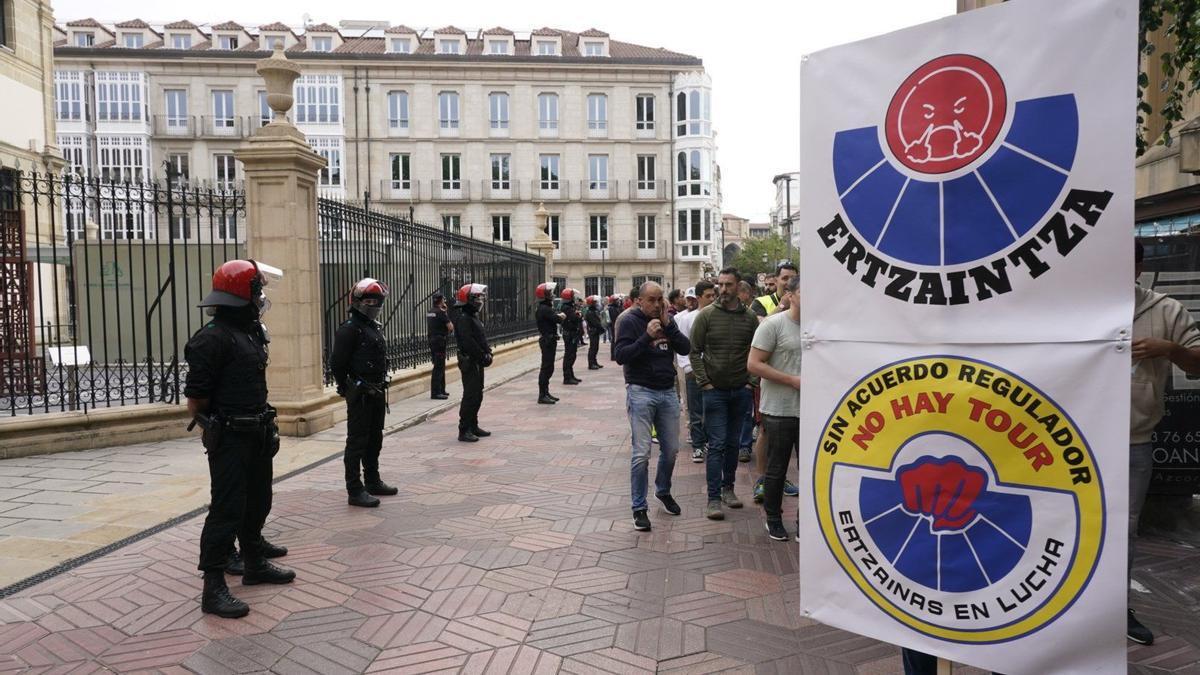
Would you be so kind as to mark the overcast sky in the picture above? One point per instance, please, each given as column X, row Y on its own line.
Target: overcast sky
column 751, row 49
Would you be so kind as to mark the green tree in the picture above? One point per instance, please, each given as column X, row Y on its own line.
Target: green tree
column 760, row 254
column 1179, row 21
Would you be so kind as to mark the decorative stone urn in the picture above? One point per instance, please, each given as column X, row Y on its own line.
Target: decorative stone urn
column 279, row 74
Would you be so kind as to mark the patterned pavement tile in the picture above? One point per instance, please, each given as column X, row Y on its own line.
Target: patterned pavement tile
column 514, row 660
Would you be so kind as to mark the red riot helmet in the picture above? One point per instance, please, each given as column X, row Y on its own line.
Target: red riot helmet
column 238, row 283
column 569, row 294
column 367, row 297
column 469, row 293
column 546, row 291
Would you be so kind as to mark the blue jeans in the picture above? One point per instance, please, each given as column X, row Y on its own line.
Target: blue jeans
column 695, row 408
column 724, row 416
column 660, row 408
column 747, row 437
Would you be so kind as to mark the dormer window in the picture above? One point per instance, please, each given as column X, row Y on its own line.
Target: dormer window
column 449, row 46
column 228, row 42
column 497, row 46
column 547, row 47
column 85, row 39
column 593, row 48
column 133, row 40
column 321, row 44
column 181, row 41
column 401, row 46
column 273, row 42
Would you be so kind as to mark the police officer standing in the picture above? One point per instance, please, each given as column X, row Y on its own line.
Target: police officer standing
column 595, row 328
column 226, row 392
column 572, row 330
column 547, row 325
column 440, row 328
column 474, row 355
column 359, row 366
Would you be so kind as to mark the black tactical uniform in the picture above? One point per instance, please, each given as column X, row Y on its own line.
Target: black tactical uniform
column 547, row 325
column 439, row 333
column 595, row 328
column 474, row 355
column 572, row 328
column 359, row 366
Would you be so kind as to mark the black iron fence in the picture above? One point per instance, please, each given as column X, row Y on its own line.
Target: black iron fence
column 417, row 260
column 98, row 286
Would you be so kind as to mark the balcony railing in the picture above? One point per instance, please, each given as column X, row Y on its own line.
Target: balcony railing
column 174, row 127
column 598, row 190
column 224, row 127
column 550, row 191
column 399, row 190
column 648, row 190
column 502, row 191
column 445, row 190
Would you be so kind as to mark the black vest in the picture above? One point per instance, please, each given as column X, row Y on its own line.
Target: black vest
column 240, row 388
column 368, row 360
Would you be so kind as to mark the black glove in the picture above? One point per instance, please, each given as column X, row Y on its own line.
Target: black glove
column 487, row 359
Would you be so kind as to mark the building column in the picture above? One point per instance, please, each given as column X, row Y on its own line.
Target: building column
column 281, row 215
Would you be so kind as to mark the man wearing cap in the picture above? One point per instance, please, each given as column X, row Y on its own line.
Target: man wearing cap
column 359, row 366
column 474, row 354
column 440, row 328
column 226, row 392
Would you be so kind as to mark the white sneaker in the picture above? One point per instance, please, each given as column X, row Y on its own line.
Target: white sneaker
column 697, row 455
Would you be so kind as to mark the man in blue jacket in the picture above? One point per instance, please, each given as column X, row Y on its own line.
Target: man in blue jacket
column 646, row 343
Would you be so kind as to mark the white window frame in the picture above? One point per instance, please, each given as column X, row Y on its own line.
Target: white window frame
column 119, row 96
column 598, row 172
column 85, row 38
column 449, row 46
column 318, row 100
column 644, row 112
column 597, row 114
column 321, row 43
column 646, row 172
column 498, row 111
column 225, row 175
column 502, row 227
column 452, row 222
column 265, row 114
column 68, row 95
column 175, row 105
column 599, row 285
column 694, row 117
column 597, row 225
column 501, row 171
column 223, row 115
column 74, row 150
column 498, row 47
column 693, row 173
column 333, row 150
column 448, row 107
column 400, row 164
column 548, row 113
column 181, row 41
column 554, row 229
column 593, row 48
column 647, row 233
column 401, row 45
column 133, row 40
column 227, row 42
column 398, row 110
column 549, row 176
column 180, row 162
column 547, row 47
column 451, row 171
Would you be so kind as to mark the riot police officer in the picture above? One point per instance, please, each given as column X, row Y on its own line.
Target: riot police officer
column 595, row 328
column 359, row 366
column 547, row 325
column 226, row 392
column 439, row 327
column 572, row 330
column 474, row 355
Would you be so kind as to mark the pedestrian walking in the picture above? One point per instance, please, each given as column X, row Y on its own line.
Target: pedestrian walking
column 705, row 293
column 721, row 336
column 474, row 355
column 548, row 321
column 774, row 358
column 226, row 390
column 359, row 367
column 646, row 340
column 572, row 330
column 594, row 320
column 762, row 307
column 439, row 328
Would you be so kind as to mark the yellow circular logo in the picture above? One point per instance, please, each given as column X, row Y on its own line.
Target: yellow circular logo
column 959, row 498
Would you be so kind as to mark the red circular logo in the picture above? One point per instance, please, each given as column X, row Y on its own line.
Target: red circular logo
column 946, row 114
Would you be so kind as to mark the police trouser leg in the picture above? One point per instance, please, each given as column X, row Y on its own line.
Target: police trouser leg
column 593, row 349
column 375, row 409
column 437, row 381
column 359, row 420
column 570, row 349
column 548, row 344
column 472, row 397
column 240, row 499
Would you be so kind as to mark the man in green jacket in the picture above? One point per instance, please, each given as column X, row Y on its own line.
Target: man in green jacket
column 721, row 338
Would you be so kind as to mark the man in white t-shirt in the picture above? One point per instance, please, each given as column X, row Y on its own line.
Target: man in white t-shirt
column 704, row 293
column 775, row 358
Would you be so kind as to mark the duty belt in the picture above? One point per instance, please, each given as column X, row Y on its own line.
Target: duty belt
column 249, row 421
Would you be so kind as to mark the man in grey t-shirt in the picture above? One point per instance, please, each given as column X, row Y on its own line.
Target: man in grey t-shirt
column 775, row 358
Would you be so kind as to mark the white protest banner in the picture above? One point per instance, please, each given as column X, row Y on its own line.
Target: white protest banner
column 966, row 259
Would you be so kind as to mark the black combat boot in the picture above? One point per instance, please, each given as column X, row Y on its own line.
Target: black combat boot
column 270, row 550
column 377, row 487
column 467, row 437
column 359, row 497
column 545, row 398
column 265, row 573
column 217, row 599
column 481, row 433
column 235, row 565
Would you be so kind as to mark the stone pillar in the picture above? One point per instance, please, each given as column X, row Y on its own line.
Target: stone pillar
column 542, row 244
column 281, row 230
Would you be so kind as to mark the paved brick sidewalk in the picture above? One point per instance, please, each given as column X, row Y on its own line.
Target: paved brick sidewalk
column 55, row 508
column 512, row 555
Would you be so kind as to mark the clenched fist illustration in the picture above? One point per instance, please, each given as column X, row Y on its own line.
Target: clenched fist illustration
column 942, row 489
